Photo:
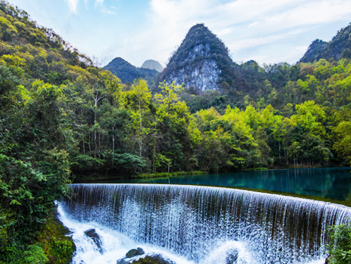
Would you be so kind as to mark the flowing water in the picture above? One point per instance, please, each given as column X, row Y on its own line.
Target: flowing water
column 332, row 183
column 193, row 224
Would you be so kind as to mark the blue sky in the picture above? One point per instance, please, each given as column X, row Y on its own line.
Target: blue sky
column 268, row 31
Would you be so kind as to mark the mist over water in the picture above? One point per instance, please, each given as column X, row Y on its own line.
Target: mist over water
column 189, row 224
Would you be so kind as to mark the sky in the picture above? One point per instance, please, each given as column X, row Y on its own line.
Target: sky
column 267, row 31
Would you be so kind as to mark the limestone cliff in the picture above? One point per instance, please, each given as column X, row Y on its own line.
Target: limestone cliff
column 201, row 62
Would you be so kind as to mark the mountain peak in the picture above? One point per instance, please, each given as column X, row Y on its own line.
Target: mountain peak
column 197, row 27
column 339, row 47
column 119, row 59
column 199, row 61
column 152, row 65
column 128, row 73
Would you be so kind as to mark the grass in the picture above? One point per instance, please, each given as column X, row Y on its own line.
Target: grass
column 166, row 174
column 99, row 178
column 256, row 169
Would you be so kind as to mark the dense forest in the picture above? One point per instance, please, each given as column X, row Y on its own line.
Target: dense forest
column 61, row 117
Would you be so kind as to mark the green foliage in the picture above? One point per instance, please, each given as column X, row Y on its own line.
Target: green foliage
column 150, row 260
column 166, row 174
column 29, row 194
column 343, row 146
column 61, row 117
column 339, row 246
column 129, row 162
column 52, row 246
column 57, row 246
column 127, row 72
column 34, row 255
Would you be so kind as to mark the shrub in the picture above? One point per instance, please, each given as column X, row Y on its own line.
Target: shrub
column 339, row 246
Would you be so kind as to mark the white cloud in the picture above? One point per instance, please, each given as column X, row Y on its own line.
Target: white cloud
column 242, row 24
column 264, row 30
column 258, row 41
column 72, row 4
column 99, row 3
column 108, row 11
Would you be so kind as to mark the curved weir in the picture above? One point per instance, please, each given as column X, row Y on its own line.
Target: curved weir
column 203, row 224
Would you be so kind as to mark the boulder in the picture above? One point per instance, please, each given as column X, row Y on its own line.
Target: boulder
column 130, row 254
column 95, row 237
column 232, row 256
column 155, row 259
column 135, row 252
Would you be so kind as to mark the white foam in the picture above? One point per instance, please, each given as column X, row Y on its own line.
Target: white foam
column 115, row 245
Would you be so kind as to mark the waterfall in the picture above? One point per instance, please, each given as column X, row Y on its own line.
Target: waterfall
column 202, row 224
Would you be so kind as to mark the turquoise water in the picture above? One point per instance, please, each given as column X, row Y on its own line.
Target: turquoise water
column 332, row 183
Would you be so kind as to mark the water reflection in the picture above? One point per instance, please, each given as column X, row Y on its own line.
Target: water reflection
column 332, row 183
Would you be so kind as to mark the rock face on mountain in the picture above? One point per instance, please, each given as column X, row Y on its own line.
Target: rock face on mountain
column 128, row 73
column 152, row 65
column 339, row 47
column 201, row 62
column 314, row 50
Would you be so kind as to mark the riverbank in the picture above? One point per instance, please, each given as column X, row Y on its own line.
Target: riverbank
column 50, row 244
column 168, row 174
column 57, row 246
column 96, row 178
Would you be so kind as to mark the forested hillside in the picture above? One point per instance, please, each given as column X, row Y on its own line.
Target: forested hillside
column 41, row 78
column 127, row 73
column 63, row 118
column 238, row 85
column 338, row 48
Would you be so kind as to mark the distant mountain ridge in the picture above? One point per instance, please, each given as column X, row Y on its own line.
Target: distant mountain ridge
column 128, row 73
column 201, row 62
column 152, row 65
column 339, row 47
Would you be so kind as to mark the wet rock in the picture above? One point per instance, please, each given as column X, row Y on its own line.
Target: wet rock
column 232, row 256
column 155, row 259
column 95, row 237
column 130, row 254
column 135, row 252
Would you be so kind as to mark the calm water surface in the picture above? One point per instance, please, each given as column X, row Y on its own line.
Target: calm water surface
column 332, row 183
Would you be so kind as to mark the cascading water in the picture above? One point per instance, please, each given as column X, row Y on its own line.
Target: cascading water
column 191, row 224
